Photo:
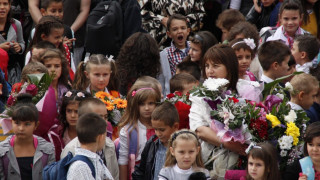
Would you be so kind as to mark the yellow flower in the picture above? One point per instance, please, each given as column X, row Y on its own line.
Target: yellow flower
column 109, row 105
column 273, row 119
column 121, row 103
column 293, row 130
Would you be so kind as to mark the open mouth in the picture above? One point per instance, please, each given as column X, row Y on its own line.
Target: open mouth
column 180, row 37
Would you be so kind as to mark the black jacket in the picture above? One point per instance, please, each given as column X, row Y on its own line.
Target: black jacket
column 145, row 170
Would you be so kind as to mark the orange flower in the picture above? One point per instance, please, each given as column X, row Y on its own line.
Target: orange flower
column 121, row 103
column 110, row 97
column 109, row 105
column 115, row 94
column 101, row 94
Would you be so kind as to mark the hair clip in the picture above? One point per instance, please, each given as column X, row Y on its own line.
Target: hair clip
column 110, row 58
column 199, row 38
column 251, row 146
column 175, row 135
column 135, row 92
column 68, row 94
column 249, row 42
column 80, row 94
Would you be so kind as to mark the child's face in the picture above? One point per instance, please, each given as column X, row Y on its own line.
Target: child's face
column 146, row 109
column 54, row 9
column 290, row 19
column 214, row 70
column 99, row 76
column 282, row 69
column 296, row 53
column 178, row 32
column 72, row 113
column 313, row 149
column 55, row 36
column 308, row 99
column 23, row 129
column 54, row 67
column 256, row 168
column 163, row 131
column 4, row 8
column 185, row 152
column 244, row 59
column 188, row 87
column 267, row 3
column 195, row 52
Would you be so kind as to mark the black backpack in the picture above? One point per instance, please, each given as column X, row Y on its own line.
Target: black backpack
column 105, row 28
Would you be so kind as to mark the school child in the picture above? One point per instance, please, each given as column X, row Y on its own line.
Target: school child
column 24, row 155
column 262, row 163
column 299, row 169
column 178, row 31
column 305, row 48
column 290, row 17
column 227, row 19
column 304, row 90
column 94, row 75
column 274, row 57
column 135, row 125
column 264, row 14
column 153, row 82
column 190, row 68
column 244, row 49
column 68, row 114
column 314, row 111
column 165, row 121
column 51, row 29
column 138, row 56
column 183, row 156
column 37, row 50
column 107, row 154
column 91, row 131
column 311, row 17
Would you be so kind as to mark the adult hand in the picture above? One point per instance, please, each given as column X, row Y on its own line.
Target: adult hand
column 16, row 46
column 236, row 147
column 164, row 21
column 5, row 46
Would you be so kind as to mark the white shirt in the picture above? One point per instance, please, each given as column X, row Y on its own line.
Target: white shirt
column 266, row 79
column 295, row 106
column 304, row 68
column 80, row 170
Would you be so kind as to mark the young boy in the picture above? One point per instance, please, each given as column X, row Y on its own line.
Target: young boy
column 189, row 67
column 274, row 57
column 305, row 90
column 304, row 50
column 182, row 83
column 165, row 121
column 108, row 154
column 91, row 131
column 178, row 31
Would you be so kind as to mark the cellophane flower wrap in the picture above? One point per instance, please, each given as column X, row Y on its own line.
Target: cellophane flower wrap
column 115, row 106
column 230, row 116
column 286, row 125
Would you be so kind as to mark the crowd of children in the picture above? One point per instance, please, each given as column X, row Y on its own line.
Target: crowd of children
column 136, row 115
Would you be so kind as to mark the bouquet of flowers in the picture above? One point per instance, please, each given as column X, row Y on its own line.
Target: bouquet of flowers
column 286, row 126
column 114, row 105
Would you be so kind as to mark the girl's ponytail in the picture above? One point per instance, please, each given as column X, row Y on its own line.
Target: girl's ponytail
column 114, row 82
column 80, row 80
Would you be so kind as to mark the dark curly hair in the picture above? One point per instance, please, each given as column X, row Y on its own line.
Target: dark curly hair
column 74, row 98
column 139, row 56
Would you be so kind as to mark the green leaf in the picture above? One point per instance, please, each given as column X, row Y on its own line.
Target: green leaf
column 35, row 78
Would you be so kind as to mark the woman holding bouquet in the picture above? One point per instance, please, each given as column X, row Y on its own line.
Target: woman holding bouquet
column 220, row 61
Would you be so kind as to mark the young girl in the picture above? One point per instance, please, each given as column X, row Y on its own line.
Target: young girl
column 51, row 29
column 135, row 125
column 183, row 157
column 68, row 114
column 262, row 163
column 290, row 17
column 309, row 166
column 24, row 155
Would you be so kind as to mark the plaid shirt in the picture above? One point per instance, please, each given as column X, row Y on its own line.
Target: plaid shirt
column 175, row 56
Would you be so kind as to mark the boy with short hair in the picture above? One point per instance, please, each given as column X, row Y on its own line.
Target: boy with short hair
column 108, row 154
column 274, row 57
column 91, row 131
column 305, row 48
column 305, row 90
column 165, row 121
column 182, row 83
column 190, row 68
column 178, row 31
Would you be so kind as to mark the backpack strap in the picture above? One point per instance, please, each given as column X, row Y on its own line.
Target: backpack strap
column 5, row 164
column 86, row 160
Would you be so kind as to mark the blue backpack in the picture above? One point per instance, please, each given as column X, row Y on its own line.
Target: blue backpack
column 59, row 170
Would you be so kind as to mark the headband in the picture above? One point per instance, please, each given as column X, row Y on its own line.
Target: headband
column 135, row 92
column 252, row 146
column 199, row 38
column 248, row 41
column 175, row 135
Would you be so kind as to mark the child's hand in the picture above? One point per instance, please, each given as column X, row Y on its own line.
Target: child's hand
column 16, row 46
column 68, row 42
column 303, row 176
column 5, row 46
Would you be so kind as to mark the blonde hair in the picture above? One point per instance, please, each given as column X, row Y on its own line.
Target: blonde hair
column 303, row 82
column 183, row 134
column 31, row 68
